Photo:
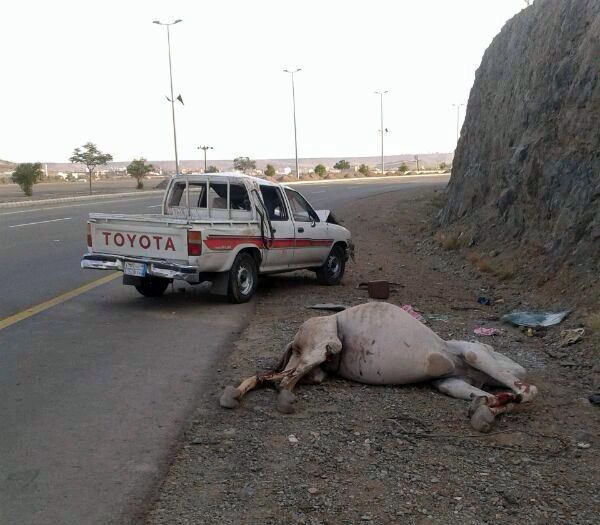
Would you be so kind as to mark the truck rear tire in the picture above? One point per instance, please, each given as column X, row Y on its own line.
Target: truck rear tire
column 243, row 278
column 152, row 286
column 332, row 271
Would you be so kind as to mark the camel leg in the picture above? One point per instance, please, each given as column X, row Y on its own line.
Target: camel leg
column 485, row 406
column 315, row 377
column 231, row 396
column 459, row 388
column 496, row 369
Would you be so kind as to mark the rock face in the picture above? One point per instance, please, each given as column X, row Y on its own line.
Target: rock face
column 527, row 165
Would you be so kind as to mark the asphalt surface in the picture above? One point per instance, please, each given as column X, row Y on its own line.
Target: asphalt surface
column 96, row 389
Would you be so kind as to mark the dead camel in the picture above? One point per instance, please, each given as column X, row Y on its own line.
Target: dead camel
column 380, row 344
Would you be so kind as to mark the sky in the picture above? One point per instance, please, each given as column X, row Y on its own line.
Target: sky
column 97, row 70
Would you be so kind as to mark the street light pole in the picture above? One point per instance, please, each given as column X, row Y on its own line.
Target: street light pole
column 457, row 106
column 171, row 80
column 205, row 148
column 294, row 106
column 381, row 93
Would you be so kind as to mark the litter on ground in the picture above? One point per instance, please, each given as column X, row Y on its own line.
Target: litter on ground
column 535, row 319
column 570, row 337
column 482, row 330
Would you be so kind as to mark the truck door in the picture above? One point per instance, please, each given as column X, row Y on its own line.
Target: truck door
column 312, row 241
column 281, row 252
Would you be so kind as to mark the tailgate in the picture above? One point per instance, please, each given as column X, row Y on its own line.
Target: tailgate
column 140, row 239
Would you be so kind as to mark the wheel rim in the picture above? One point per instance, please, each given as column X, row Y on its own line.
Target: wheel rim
column 333, row 265
column 245, row 280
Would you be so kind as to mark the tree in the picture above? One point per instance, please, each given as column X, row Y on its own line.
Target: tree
column 403, row 168
column 320, row 170
column 443, row 165
column 91, row 157
column 26, row 175
column 243, row 163
column 270, row 170
column 363, row 169
column 342, row 165
column 211, row 169
column 137, row 169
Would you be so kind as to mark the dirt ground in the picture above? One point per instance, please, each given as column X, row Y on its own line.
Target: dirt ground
column 361, row 454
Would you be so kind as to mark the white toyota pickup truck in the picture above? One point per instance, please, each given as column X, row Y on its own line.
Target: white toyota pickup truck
column 225, row 229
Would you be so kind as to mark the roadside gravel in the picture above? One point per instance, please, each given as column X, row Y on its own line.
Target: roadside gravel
column 360, row 454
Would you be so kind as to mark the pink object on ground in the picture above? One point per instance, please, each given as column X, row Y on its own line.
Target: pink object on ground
column 409, row 310
column 481, row 330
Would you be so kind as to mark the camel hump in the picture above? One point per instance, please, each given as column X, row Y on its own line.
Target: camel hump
column 438, row 365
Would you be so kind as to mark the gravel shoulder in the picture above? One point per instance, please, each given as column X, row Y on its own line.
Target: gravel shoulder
column 361, row 454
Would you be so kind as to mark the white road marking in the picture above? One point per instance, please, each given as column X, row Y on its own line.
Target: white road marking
column 155, row 206
column 39, row 222
column 316, row 192
column 92, row 203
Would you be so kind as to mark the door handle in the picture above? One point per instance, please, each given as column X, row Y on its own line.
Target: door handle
column 301, row 230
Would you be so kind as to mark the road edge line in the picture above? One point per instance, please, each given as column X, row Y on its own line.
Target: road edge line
column 38, row 308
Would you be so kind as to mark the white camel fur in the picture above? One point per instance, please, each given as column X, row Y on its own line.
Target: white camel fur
column 380, row 344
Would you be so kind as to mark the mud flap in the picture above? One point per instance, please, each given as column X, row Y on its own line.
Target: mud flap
column 220, row 283
column 131, row 280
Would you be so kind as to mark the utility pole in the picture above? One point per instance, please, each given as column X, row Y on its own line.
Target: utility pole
column 382, row 130
column 417, row 162
column 457, row 106
column 294, row 106
column 205, row 148
column 172, row 99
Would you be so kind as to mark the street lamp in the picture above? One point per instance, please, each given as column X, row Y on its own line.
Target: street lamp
column 172, row 99
column 294, row 105
column 382, row 130
column 205, row 148
column 457, row 106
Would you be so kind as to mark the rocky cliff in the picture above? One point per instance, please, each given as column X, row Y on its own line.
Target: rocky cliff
column 527, row 166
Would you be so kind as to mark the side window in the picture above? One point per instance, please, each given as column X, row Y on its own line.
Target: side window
column 176, row 194
column 274, row 203
column 197, row 195
column 238, row 197
column 217, row 195
column 300, row 208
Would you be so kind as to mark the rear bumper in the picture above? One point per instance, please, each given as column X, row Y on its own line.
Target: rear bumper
column 165, row 270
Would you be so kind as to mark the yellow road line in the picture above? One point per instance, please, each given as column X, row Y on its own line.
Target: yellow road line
column 20, row 316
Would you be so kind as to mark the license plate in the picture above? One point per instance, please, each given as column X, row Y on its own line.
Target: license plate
column 135, row 269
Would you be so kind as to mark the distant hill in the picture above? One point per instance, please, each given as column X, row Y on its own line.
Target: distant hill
column 6, row 165
column 426, row 160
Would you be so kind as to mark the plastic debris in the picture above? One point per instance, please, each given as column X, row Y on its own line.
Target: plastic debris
column 329, row 306
column 570, row 337
column 292, row 439
column 535, row 319
column 484, row 300
column 411, row 311
column 594, row 399
column 442, row 317
column 482, row 330
column 379, row 289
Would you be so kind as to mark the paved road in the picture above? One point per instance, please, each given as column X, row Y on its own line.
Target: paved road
column 96, row 389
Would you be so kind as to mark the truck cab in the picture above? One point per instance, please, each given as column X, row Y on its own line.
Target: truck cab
column 224, row 229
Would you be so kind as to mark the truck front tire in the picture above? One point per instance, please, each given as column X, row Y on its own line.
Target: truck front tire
column 152, row 286
column 243, row 278
column 332, row 271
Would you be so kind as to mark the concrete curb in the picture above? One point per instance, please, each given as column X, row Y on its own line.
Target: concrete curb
column 387, row 177
column 24, row 204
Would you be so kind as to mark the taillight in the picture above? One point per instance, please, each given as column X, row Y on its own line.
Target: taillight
column 194, row 239
column 89, row 234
